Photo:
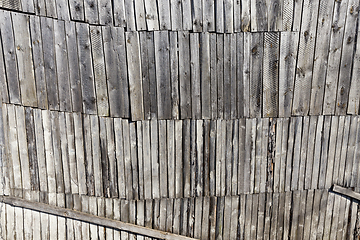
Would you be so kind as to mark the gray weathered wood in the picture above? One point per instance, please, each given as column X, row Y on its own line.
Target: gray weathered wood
column 304, row 146
column 310, row 152
column 96, row 156
column 134, row 74
column 155, row 178
column 76, row 9
column 220, row 75
column 259, row 16
column 151, row 15
column 256, row 74
column 7, row 37
column 40, row 150
column 164, row 15
column 245, row 15
column 287, row 15
column 64, row 152
column 229, row 16
column 324, row 152
column 208, row 17
column 197, row 15
column 340, row 132
column 91, row 11
column 219, row 16
column 79, row 147
column 275, row 15
column 344, row 148
column 184, row 75
column 86, row 69
column 171, row 154
column 277, row 159
column 354, row 93
column 105, row 12
column 205, row 75
column 3, row 81
column 62, row 68
column 213, row 79
column 331, row 153
column 50, row 161
column 127, row 160
column 227, row 77
column 119, row 146
column 176, row 15
column 62, row 10
column 174, row 74
column 146, row 159
column 241, row 94
column 163, row 164
column 140, row 157
column 285, row 133
column 296, row 153
column 24, row 59
column 59, row 174
column 317, row 152
column 119, row 13
column 129, row 9
column 195, row 76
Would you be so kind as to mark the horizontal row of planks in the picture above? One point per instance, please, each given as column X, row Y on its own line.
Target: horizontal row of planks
column 308, row 214
column 59, row 152
column 223, row 16
column 179, row 74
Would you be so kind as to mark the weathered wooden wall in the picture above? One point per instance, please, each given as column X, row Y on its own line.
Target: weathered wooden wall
column 226, row 119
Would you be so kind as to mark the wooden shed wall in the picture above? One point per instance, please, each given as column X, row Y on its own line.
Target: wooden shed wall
column 226, row 119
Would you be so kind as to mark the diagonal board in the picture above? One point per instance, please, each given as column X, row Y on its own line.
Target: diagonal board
column 67, row 213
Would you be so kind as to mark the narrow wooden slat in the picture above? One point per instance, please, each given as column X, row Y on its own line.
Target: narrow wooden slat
column 51, row 9
column 74, row 74
column 134, row 72
column 109, row 213
column 289, row 155
column 187, row 15
column 105, row 12
column 195, row 76
column 235, row 159
column 261, row 216
column 62, row 10
column 331, row 153
column 3, row 81
column 110, row 135
column 324, row 152
column 296, row 154
column 302, row 85
column 344, row 148
column 151, row 15
column 256, row 74
column 287, row 66
column 119, row 13
column 176, row 15
column 163, row 164
column 247, row 157
column 219, row 15
column 354, row 94
column 310, row 152
column 335, row 218
column 208, row 17
column 62, row 68
column 271, row 74
column 198, row 217
column 219, row 217
column 267, row 153
column 186, row 157
column 197, row 15
column 287, row 213
column 334, row 58
column 340, row 132
column 220, row 75
column 258, row 158
column 171, row 154
column 287, row 15
column 50, row 161
column 322, row 215
column 229, row 16
column 140, row 156
column 86, row 69
column 79, row 147
column 140, row 15
column 193, row 159
column 64, row 153
column 274, row 230
column 303, row 157
column 59, row 174
column 321, row 56
column 298, row 7
column 98, row 60
column 162, row 57
column 96, row 156
column 347, row 55
column 355, row 178
column 315, row 214
column 317, row 152
column 275, row 15
column 146, row 159
column 277, row 159
column 155, row 178
column 245, row 15
column 164, row 15
column 47, row 31
column 259, row 16
column 76, row 9
column 174, row 74
column 241, row 95
column 200, row 158
column 24, row 59
column 205, row 75
column 7, row 37
column 127, row 160
column 254, row 215
column 129, row 8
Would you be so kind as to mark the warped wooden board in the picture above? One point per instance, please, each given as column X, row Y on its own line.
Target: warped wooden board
column 127, row 159
column 130, row 15
column 275, row 15
column 285, row 133
column 134, row 74
column 105, row 12
column 98, row 62
column 347, row 59
column 287, row 69
column 91, row 11
column 336, row 40
column 321, row 56
column 76, row 9
column 151, row 15
column 7, row 37
column 277, row 159
column 176, row 15
column 3, row 81
column 293, row 131
column 24, row 59
column 302, row 85
column 86, row 69
column 322, row 214
column 208, row 17
column 62, row 68
column 162, row 63
column 59, row 173
column 344, row 149
column 310, row 152
column 164, row 15
column 271, row 74
column 340, row 133
column 259, row 16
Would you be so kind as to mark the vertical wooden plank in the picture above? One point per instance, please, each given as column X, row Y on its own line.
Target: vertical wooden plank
column 302, row 86
column 258, row 158
column 96, row 156
column 275, row 17
column 174, row 74
column 195, row 76
column 208, row 17
column 134, row 71
column 354, row 93
column 297, row 18
column 62, row 66
column 76, row 10
column 331, row 153
column 303, row 157
column 220, row 157
column 315, row 214
column 119, row 13
column 79, row 147
column 3, row 81
column 171, row 153
column 267, row 153
column 140, row 214
column 220, row 75
column 187, row 15
column 317, row 152
column 139, row 143
column 109, row 213
column 321, row 56
column 7, row 37
column 310, row 152
column 74, row 74
column 254, row 216
column 213, row 79
column 176, row 15
column 105, row 12
column 24, row 59
column 355, row 179
column 347, row 58
column 59, row 174
column 177, row 212
column 227, row 76
column 259, row 16
column 162, row 58
column 287, row 15
column 200, row 158
column 246, row 73
column 261, row 216
column 146, row 159
column 220, row 217
column 186, row 157
column 164, row 15
column 163, row 164
column 130, row 15
column 49, row 152
column 151, row 15
column 271, row 74
column 344, row 148
column 229, row 16
column 64, row 153
column 245, row 15
column 324, row 152
column 40, row 150
column 235, row 159
column 340, row 133
column 127, row 160
column 119, row 146
column 198, row 217
column 287, row 66
column 287, row 214
column 98, row 62
column 296, row 154
column 277, row 159
column 205, row 227
column 110, row 135
column 293, row 231
column 86, row 69
column 62, row 10
column 247, row 157
column 212, row 159
column 154, row 159
column 285, row 133
column 256, row 74
column 51, row 9
column 274, row 215
column 27, row 6
column 241, row 94
column 193, row 159
column 237, row 16
column 47, row 32
column 205, row 75
column 219, row 14
column 334, row 58
column 197, row 15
